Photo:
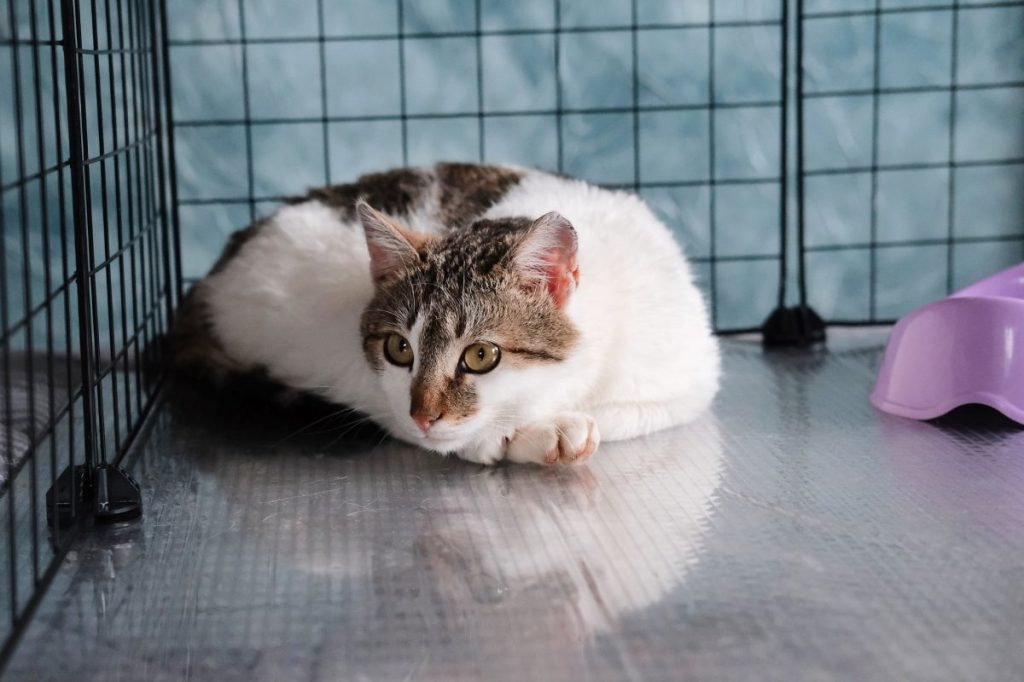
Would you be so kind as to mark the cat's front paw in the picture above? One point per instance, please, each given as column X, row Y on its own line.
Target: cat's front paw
column 486, row 452
column 568, row 437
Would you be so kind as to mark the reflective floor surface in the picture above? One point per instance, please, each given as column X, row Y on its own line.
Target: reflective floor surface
column 795, row 533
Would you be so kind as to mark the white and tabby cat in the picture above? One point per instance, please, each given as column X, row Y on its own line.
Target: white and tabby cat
column 488, row 311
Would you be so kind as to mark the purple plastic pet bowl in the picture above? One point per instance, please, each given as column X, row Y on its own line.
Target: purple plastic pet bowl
column 968, row 348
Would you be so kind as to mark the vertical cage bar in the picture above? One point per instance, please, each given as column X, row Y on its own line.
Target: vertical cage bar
column 784, row 153
column 165, row 54
column 45, row 219
column 165, row 232
column 138, row 220
column 29, row 457
column 635, row 85
column 118, row 349
column 951, row 186
column 478, row 44
column 875, row 104
column 49, row 287
column 713, row 232
column 156, row 175
column 133, row 233
column 66, row 272
column 84, row 264
column 322, row 56
column 402, row 103
column 558, row 86
column 105, row 265
column 12, row 545
column 797, row 325
column 151, row 107
column 247, row 115
column 143, row 188
column 148, row 206
column 47, row 275
column 801, row 222
column 71, row 24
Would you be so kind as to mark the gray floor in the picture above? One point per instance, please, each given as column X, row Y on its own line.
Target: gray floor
column 793, row 534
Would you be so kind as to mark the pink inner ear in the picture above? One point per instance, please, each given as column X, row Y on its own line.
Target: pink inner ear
column 383, row 262
column 563, row 275
column 391, row 246
column 549, row 253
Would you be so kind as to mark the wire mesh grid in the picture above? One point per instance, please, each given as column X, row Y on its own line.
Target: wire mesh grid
column 85, row 266
column 854, row 124
column 345, row 89
column 922, row 197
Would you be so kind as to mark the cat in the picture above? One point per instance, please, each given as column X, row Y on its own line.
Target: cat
column 490, row 311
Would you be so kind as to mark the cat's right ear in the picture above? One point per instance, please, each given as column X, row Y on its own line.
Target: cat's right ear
column 392, row 247
column 546, row 257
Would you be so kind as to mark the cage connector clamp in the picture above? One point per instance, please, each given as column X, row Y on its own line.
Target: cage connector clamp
column 797, row 326
column 109, row 495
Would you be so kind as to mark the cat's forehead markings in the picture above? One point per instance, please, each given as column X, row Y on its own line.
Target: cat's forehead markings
column 432, row 338
column 415, row 335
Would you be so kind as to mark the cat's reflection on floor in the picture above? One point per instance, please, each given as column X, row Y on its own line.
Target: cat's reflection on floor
column 528, row 559
column 404, row 563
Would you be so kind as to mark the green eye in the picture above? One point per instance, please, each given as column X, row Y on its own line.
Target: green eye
column 480, row 358
column 397, row 350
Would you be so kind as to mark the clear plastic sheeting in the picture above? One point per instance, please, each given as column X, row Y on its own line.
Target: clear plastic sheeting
column 795, row 533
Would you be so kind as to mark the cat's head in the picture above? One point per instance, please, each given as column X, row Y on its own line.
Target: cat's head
column 461, row 327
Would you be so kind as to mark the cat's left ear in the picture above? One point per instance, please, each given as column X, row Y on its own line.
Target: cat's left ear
column 547, row 257
column 392, row 247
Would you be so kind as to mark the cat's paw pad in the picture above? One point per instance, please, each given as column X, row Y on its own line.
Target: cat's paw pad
column 569, row 437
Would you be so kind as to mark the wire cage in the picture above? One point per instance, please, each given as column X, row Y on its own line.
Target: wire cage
column 820, row 160
column 87, row 270
column 878, row 134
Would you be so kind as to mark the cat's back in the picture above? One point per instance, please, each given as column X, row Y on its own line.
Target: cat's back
column 430, row 199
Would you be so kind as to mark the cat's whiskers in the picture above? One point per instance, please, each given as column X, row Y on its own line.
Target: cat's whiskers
column 353, row 425
column 333, row 415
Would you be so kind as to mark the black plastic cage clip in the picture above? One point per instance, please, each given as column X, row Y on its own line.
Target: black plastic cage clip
column 798, row 326
column 109, row 495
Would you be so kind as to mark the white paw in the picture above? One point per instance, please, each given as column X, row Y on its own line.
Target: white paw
column 568, row 437
column 485, row 452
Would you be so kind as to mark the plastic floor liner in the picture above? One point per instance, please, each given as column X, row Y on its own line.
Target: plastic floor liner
column 795, row 533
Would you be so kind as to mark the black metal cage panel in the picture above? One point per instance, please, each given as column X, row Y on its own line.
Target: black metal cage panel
column 911, row 160
column 851, row 125
column 300, row 92
column 87, row 271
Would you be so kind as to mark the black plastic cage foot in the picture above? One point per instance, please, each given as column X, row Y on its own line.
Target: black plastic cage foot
column 111, row 495
column 798, row 326
column 117, row 495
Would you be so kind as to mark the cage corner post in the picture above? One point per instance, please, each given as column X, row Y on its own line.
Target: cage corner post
column 799, row 325
column 94, row 488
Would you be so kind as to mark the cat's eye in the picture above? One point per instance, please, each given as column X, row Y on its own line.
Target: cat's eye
column 480, row 358
column 397, row 350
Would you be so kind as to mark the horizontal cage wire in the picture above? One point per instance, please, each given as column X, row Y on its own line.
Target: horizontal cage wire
column 855, row 159
column 87, row 269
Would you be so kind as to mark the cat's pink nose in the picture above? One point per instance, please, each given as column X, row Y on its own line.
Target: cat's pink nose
column 425, row 419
